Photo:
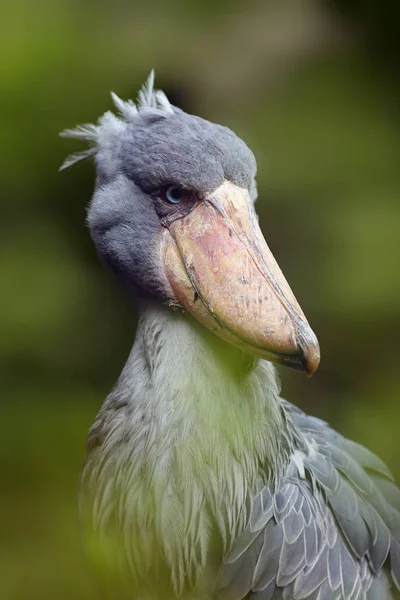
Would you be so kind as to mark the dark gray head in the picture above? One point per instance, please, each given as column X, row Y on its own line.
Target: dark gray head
column 150, row 147
column 172, row 215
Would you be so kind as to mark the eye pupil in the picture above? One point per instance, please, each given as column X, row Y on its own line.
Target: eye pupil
column 175, row 194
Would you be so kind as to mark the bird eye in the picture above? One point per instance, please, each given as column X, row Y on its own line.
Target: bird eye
column 175, row 194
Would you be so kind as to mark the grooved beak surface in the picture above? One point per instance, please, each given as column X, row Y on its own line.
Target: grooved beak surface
column 222, row 271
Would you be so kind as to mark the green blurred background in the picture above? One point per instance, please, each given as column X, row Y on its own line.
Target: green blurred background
column 313, row 88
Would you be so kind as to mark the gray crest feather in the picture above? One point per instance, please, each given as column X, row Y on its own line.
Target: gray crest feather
column 151, row 105
column 127, row 109
column 82, row 132
column 76, row 157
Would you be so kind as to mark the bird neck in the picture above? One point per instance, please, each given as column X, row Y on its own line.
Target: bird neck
column 196, row 391
column 192, row 429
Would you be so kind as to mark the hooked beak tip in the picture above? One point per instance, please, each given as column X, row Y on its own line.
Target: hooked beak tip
column 312, row 365
column 311, row 355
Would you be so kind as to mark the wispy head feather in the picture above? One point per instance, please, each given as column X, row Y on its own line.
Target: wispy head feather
column 151, row 103
column 146, row 94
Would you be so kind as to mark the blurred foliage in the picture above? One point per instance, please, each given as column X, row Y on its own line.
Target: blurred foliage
column 313, row 88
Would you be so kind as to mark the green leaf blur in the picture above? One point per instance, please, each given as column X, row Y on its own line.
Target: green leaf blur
column 313, row 88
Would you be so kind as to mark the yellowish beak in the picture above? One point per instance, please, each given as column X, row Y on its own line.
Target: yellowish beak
column 222, row 272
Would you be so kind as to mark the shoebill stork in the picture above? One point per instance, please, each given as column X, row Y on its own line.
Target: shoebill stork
column 200, row 480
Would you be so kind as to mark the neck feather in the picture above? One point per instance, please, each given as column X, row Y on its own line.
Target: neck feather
column 192, row 428
column 190, row 384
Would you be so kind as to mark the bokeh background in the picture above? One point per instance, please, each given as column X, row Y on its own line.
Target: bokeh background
column 313, row 88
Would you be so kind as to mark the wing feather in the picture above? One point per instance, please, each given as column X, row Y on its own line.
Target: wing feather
column 329, row 531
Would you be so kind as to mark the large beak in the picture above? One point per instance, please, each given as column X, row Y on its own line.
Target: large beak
column 221, row 271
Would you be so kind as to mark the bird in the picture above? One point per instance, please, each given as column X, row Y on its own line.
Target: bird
column 200, row 480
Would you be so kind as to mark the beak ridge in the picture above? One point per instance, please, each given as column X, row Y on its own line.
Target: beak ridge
column 222, row 271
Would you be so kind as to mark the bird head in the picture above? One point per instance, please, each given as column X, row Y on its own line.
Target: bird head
column 173, row 215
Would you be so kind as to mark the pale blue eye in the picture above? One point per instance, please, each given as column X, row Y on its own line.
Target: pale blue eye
column 175, row 194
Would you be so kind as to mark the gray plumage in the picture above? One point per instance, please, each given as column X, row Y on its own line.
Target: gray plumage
column 184, row 148
column 150, row 146
column 200, row 480
column 327, row 535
